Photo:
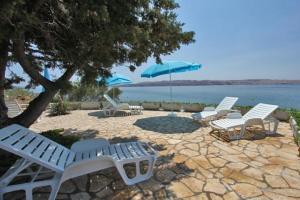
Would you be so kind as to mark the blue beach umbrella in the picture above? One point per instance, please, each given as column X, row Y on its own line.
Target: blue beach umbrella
column 117, row 80
column 47, row 76
column 170, row 67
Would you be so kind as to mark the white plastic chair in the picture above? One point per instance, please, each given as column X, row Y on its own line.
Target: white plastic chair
column 50, row 164
column 210, row 113
column 258, row 115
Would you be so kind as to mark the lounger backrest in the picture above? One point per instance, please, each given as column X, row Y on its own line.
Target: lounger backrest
column 260, row 111
column 34, row 147
column 13, row 108
column 110, row 100
column 227, row 103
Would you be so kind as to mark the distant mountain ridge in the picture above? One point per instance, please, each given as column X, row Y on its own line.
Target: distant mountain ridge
column 215, row 82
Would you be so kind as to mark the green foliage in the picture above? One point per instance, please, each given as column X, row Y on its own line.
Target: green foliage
column 85, row 92
column 90, row 36
column 15, row 93
column 59, row 108
column 115, row 93
column 296, row 114
column 56, row 136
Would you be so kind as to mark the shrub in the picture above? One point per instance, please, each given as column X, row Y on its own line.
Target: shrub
column 59, row 108
column 296, row 114
column 65, row 140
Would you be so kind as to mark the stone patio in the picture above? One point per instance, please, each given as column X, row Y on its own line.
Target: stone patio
column 192, row 164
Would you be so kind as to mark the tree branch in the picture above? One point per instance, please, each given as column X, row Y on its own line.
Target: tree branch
column 19, row 50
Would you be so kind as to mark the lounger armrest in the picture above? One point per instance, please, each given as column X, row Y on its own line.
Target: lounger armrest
column 210, row 108
column 234, row 115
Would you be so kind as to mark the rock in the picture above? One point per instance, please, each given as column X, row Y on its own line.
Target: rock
column 39, row 196
column 81, row 182
column 193, row 184
column 231, row 196
column 104, row 193
column 179, row 158
column 98, row 182
column 165, row 175
column 217, row 162
column 67, row 187
column 272, row 195
column 215, row 197
column 276, row 181
column 288, row 192
column 161, row 194
column 202, row 162
column 193, row 146
column 236, row 166
column 173, row 141
column 273, row 169
column 189, row 153
column 201, row 196
column 292, row 177
column 246, row 190
column 214, row 185
column 80, row 196
column 127, row 193
column 150, row 184
column 62, row 197
column 254, row 173
column 180, row 190
column 118, row 184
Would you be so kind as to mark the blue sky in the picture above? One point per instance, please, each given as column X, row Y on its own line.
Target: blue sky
column 236, row 39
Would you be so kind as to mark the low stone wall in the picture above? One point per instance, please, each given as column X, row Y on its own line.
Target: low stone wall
column 151, row 105
column 167, row 106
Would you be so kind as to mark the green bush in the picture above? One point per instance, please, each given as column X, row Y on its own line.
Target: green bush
column 59, row 108
column 56, row 135
column 296, row 114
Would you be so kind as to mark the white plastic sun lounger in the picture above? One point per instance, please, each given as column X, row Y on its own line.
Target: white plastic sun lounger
column 47, row 163
column 114, row 107
column 210, row 113
column 255, row 116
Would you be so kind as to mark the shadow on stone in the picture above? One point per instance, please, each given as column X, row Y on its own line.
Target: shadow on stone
column 251, row 135
column 165, row 124
column 100, row 114
column 86, row 134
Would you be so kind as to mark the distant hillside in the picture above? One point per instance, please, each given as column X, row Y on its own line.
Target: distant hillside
column 215, row 82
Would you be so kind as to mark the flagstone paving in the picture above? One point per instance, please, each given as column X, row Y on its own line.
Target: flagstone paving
column 192, row 164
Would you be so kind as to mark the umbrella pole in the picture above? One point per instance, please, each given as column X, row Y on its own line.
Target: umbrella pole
column 171, row 96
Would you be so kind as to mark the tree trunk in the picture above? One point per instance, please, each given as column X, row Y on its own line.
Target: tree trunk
column 34, row 110
column 3, row 61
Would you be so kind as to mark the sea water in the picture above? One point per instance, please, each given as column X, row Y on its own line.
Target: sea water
column 286, row 96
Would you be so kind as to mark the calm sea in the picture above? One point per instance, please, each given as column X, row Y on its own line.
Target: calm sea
column 286, row 96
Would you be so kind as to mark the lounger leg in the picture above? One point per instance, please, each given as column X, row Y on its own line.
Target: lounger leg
column 28, row 193
column 139, row 177
column 55, row 187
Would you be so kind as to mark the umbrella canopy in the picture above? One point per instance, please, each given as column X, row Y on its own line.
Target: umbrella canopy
column 117, row 79
column 169, row 67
